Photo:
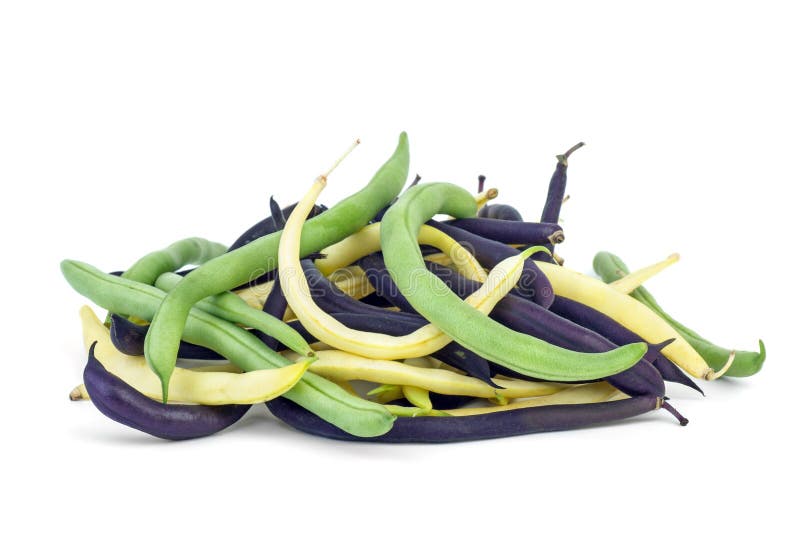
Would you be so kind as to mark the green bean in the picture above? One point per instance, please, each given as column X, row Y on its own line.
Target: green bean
column 232, row 308
column 432, row 298
column 610, row 268
column 242, row 265
column 243, row 349
column 173, row 257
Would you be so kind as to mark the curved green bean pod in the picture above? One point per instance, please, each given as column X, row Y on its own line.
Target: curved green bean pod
column 318, row 395
column 431, row 297
column 611, row 268
column 242, row 265
column 228, row 306
column 173, row 257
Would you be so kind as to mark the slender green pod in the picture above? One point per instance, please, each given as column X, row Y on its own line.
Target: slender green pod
column 611, row 268
column 320, row 396
column 259, row 256
column 173, row 257
column 230, row 307
column 432, row 298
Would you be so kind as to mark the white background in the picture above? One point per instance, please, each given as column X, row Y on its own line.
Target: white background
column 126, row 126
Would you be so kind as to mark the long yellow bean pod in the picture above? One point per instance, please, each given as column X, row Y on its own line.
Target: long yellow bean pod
column 632, row 314
column 581, row 394
column 634, row 280
column 337, row 365
column 189, row 386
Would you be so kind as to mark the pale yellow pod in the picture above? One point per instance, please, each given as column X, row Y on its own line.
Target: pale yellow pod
column 352, row 281
column 255, row 295
column 634, row 280
column 337, row 365
column 582, row 394
column 629, row 312
column 186, row 385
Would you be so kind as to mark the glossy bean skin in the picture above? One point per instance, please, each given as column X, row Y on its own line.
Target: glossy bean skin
column 526, row 317
column 124, row 404
column 533, row 283
column 512, row 232
column 610, row 268
column 618, row 334
column 128, row 338
column 260, row 256
column 489, row 426
column 432, row 299
column 500, row 211
column 240, row 347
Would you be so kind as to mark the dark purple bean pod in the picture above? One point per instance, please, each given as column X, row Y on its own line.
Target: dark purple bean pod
column 277, row 215
column 557, row 188
column 618, row 334
column 533, row 284
column 120, row 402
column 128, row 338
column 488, row 426
column 527, row 317
column 512, row 232
column 555, row 197
column 499, row 211
column 331, row 299
column 376, row 301
column 496, row 210
column 274, row 305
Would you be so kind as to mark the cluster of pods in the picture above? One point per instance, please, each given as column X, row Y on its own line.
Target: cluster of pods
column 373, row 321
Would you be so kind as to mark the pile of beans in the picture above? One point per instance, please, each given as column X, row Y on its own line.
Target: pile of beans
column 372, row 321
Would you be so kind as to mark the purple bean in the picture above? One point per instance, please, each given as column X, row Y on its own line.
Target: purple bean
column 487, row 426
column 499, row 211
column 119, row 401
column 558, row 186
column 533, row 284
column 274, row 305
column 512, row 232
column 128, row 338
column 555, row 197
column 618, row 334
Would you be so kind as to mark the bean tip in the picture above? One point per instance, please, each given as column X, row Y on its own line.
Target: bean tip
column 76, row 394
